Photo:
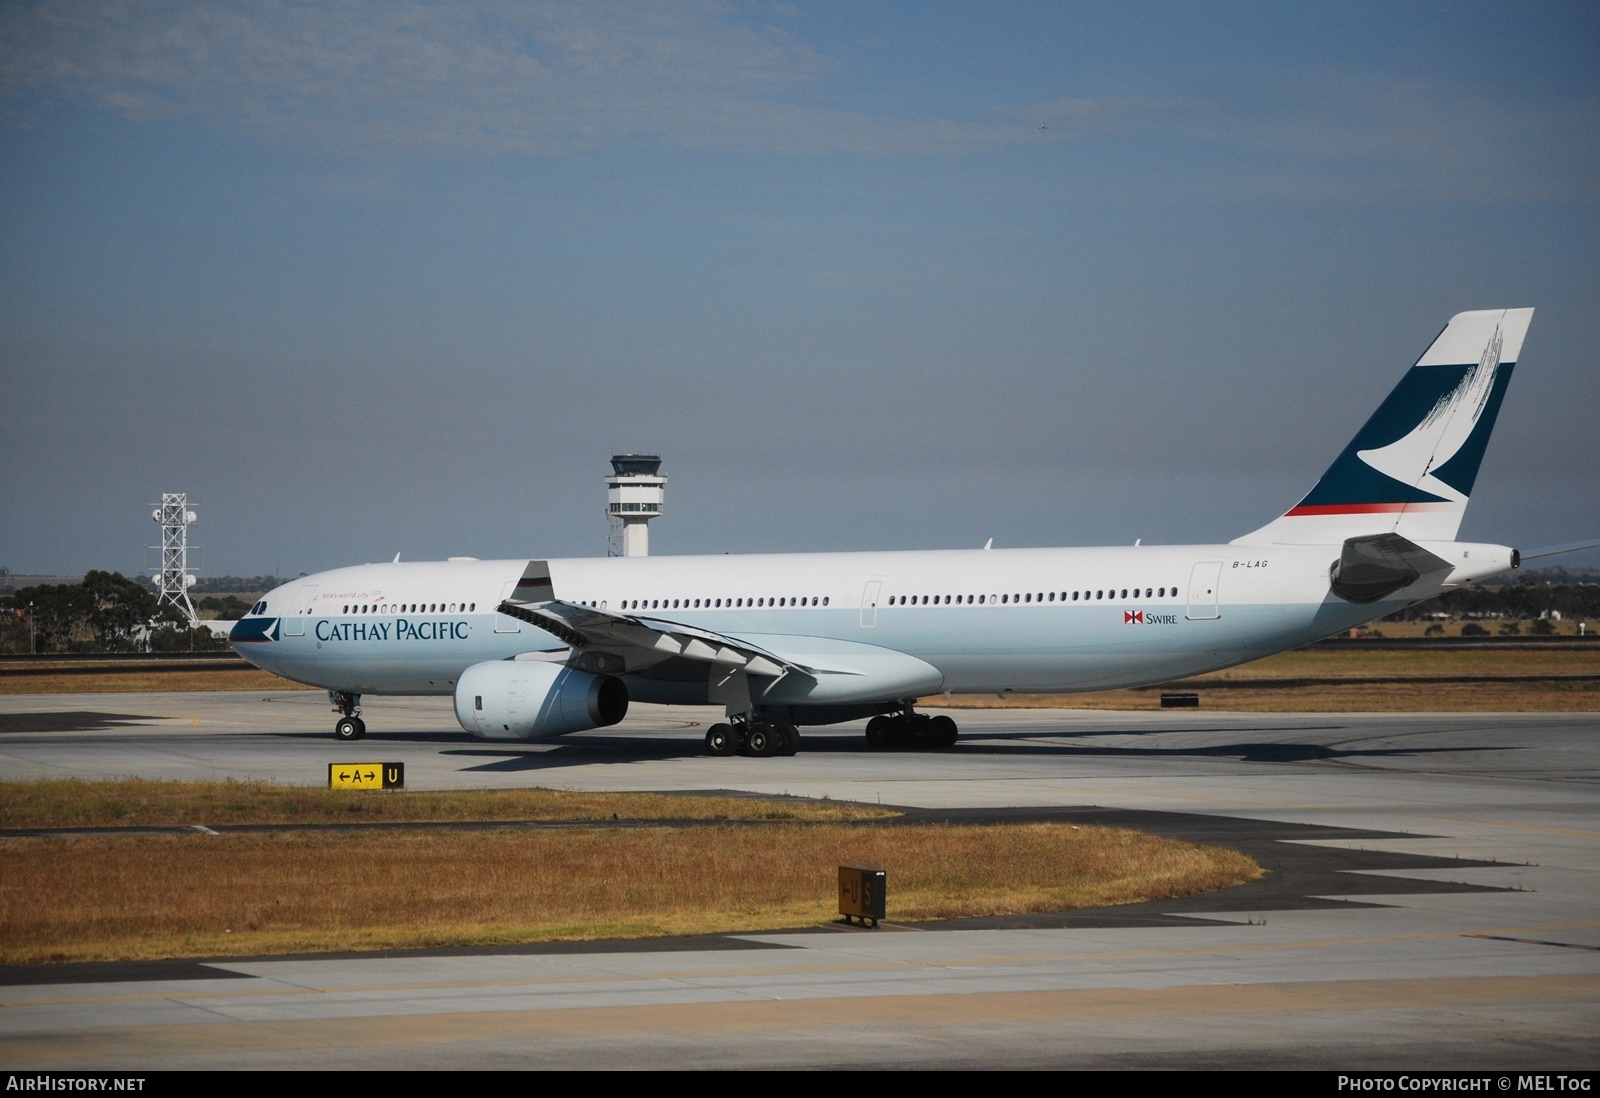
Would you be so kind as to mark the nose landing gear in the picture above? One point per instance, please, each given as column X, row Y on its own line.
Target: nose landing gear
column 350, row 726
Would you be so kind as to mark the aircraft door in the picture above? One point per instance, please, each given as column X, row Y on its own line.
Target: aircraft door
column 1203, row 581
column 869, row 603
column 502, row 622
column 294, row 624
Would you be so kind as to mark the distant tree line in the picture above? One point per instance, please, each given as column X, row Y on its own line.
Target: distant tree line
column 236, row 583
column 229, row 607
column 106, row 612
column 1525, row 599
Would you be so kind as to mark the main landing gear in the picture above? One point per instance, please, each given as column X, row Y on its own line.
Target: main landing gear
column 908, row 730
column 757, row 738
column 349, row 727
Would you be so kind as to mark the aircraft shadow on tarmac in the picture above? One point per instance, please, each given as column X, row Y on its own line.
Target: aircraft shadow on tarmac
column 68, row 720
column 573, row 751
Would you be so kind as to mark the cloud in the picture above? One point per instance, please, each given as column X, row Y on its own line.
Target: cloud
column 470, row 78
column 1365, row 135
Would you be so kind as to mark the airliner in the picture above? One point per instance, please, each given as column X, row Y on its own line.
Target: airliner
column 535, row 648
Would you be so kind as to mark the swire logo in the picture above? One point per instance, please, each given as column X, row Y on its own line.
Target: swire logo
column 1133, row 617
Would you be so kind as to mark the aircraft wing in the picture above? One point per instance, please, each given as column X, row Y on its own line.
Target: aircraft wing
column 604, row 641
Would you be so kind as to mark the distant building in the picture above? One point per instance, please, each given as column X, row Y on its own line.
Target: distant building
column 634, row 494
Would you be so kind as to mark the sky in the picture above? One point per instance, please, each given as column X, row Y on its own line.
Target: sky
column 366, row 279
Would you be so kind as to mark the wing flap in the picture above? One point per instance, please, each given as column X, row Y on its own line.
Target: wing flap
column 637, row 641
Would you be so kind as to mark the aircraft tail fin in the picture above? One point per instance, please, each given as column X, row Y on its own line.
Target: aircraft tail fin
column 1410, row 470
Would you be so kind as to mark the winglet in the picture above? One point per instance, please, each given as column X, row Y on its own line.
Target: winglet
column 535, row 585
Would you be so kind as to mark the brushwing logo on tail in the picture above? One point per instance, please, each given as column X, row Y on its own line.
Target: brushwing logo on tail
column 1443, row 431
column 1421, row 449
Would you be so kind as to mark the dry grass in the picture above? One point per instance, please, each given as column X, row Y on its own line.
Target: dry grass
column 1317, row 680
column 44, row 681
column 1525, row 679
column 214, row 895
column 135, row 802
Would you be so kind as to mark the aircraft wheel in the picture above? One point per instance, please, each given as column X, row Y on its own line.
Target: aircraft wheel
column 879, row 732
column 764, row 741
column 349, row 729
column 721, row 741
column 791, row 740
column 941, row 733
column 904, row 732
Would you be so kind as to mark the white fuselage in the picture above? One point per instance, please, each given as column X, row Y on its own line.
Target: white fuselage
column 988, row 621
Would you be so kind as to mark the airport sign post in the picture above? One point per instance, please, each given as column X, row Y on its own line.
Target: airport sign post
column 372, row 775
column 861, row 894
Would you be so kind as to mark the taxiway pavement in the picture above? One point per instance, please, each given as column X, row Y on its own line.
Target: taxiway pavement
column 1445, row 910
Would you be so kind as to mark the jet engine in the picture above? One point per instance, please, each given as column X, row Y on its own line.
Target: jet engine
column 532, row 700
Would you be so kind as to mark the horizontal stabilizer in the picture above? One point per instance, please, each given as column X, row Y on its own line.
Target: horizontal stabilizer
column 1557, row 550
column 1377, row 565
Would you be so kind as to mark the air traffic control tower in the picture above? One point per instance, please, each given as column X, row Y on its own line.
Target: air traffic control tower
column 634, row 492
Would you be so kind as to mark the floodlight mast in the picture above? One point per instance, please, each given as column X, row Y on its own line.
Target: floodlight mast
column 174, row 581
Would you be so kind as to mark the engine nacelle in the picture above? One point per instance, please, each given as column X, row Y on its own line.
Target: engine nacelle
column 531, row 700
